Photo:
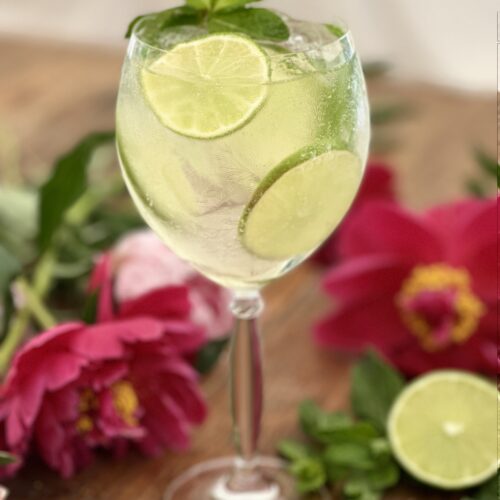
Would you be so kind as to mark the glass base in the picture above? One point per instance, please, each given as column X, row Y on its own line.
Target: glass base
column 216, row 480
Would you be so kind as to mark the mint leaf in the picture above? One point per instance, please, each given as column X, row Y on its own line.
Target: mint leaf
column 309, row 473
column 200, row 4
column 335, row 30
column 209, row 354
column 385, row 476
column 228, row 5
column 261, row 24
column 293, row 450
column 375, row 385
column 320, row 425
column 7, row 458
column 66, row 184
column 488, row 491
column 155, row 23
column 351, row 455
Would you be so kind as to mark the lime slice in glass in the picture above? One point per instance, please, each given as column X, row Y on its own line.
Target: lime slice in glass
column 300, row 201
column 443, row 429
column 208, row 87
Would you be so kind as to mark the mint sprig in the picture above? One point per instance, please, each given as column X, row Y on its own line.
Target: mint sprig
column 215, row 16
column 351, row 453
column 375, row 386
column 261, row 24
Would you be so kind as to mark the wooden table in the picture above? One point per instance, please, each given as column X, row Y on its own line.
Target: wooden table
column 51, row 94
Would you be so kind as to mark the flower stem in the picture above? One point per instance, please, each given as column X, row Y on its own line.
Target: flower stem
column 34, row 304
column 42, row 278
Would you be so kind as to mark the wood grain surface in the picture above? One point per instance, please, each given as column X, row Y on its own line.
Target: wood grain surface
column 51, row 94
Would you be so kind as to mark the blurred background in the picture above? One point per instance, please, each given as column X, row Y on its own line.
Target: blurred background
column 445, row 42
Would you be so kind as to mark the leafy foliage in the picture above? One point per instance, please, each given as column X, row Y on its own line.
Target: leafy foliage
column 353, row 453
column 261, row 24
column 65, row 186
column 375, row 386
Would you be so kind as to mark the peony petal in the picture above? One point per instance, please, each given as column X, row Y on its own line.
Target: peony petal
column 187, row 396
column 167, row 302
column 107, row 340
column 385, row 228
column 164, row 419
column 374, row 322
column 363, row 277
column 101, row 281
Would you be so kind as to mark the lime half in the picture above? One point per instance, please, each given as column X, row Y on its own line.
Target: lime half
column 299, row 203
column 443, row 429
column 207, row 87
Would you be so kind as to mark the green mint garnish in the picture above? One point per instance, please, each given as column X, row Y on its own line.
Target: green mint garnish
column 375, row 386
column 261, row 24
column 228, row 5
column 335, row 30
column 216, row 16
column 156, row 23
column 352, row 454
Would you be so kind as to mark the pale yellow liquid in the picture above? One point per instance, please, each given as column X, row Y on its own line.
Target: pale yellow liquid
column 192, row 192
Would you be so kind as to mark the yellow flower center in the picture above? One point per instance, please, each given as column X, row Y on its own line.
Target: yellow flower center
column 438, row 306
column 125, row 401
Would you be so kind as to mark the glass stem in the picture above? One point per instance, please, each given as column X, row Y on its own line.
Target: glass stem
column 246, row 384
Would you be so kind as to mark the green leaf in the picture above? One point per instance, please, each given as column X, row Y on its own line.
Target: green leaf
column 7, row 311
column 320, row 425
column 487, row 491
column 335, row 30
column 488, row 164
column 200, row 4
column 7, row 458
column 89, row 314
column 261, row 24
column 156, row 22
column 358, row 487
column 309, row 473
column 382, row 114
column 350, row 455
column 375, row 385
column 228, row 5
column 209, row 354
column 293, row 450
column 384, row 476
column 9, row 267
column 66, row 184
column 475, row 188
column 18, row 217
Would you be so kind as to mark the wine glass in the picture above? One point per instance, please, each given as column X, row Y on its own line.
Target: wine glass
column 243, row 156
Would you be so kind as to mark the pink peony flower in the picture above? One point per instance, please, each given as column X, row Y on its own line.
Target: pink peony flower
column 420, row 288
column 77, row 387
column 378, row 184
column 141, row 264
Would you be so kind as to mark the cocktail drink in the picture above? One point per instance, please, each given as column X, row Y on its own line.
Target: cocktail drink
column 243, row 155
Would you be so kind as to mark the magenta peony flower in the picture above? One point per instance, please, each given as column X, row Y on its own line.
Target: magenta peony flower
column 141, row 264
column 378, row 184
column 421, row 289
column 77, row 387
